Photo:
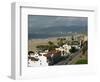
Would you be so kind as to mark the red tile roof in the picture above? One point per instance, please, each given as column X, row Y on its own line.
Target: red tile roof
column 54, row 52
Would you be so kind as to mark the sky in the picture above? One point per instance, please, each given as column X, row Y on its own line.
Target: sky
column 40, row 23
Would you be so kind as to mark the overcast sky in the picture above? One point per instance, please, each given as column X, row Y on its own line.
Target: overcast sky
column 38, row 22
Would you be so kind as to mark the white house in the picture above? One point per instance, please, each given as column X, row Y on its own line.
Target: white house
column 67, row 48
column 64, row 49
column 61, row 49
column 42, row 60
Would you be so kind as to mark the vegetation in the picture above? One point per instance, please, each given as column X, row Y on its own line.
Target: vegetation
column 82, row 61
column 72, row 38
column 50, row 46
column 30, row 52
column 84, row 49
column 42, row 47
column 61, row 41
column 73, row 50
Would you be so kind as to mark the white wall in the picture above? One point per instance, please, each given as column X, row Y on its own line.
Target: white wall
column 5, row 36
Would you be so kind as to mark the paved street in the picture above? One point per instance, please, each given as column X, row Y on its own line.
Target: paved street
column 70, row 59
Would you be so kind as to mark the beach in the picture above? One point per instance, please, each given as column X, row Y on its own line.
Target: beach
column 35, row 42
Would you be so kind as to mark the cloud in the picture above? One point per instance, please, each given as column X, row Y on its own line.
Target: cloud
column 36, row 22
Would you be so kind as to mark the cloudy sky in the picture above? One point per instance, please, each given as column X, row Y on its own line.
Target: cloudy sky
column 38, row 23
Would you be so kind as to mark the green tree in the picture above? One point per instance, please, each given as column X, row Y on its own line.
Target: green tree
column 42, row 47
column 51, row 46
column 61, row 41
column 73, row 50
column 72, row 42
column 82, row 61
column 85, row 47
column 50, row 43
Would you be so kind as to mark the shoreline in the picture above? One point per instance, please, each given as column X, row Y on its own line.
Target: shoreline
column 35, row 42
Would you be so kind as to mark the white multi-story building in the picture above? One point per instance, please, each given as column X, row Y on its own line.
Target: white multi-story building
column 41, row 60
column 64, row 49
column 67, row 47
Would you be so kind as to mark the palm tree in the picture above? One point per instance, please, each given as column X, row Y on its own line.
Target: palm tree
column 85, row 47
column 72, row 42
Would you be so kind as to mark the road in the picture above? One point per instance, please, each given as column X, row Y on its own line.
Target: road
column 71, row 58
